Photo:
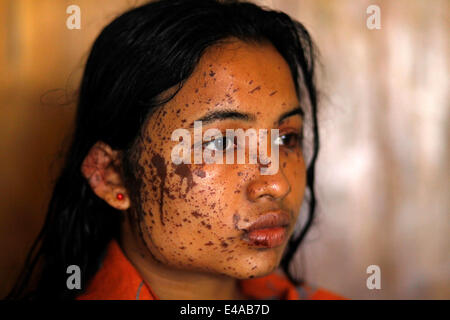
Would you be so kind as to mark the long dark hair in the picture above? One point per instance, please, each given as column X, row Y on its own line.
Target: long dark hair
column 139, row 55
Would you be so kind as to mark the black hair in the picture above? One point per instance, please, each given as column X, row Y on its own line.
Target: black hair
column 138, row 56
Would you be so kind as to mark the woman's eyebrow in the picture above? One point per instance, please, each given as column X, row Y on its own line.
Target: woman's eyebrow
column 224, row 114
column 296, row 111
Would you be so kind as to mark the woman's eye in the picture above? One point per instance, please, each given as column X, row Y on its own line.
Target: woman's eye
column 221, row 144
column 290, row 140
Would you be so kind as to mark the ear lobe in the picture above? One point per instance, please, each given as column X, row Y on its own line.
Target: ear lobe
column 101, row 167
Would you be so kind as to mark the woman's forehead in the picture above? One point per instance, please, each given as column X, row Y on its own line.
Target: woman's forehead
column 249, row 78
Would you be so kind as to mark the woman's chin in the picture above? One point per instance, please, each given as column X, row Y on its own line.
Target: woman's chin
column 255, row 270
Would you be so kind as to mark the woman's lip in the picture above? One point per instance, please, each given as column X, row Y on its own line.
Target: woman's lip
column 268, row 230
column 267, row 237
column 271, row 219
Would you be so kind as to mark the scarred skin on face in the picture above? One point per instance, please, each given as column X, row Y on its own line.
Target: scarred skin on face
column 194, row 217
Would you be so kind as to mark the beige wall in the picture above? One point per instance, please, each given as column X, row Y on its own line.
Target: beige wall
column 383, row 172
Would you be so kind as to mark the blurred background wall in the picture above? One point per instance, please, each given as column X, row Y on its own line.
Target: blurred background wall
column 383, row 170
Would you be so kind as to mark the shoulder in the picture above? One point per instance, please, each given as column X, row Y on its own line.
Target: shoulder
column 277, row 286
column 311, row 292
column 117, row 279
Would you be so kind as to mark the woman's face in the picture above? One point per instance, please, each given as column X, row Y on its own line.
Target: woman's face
column 224, row 218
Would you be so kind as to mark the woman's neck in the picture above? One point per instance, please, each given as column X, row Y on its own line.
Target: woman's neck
column 170, row 283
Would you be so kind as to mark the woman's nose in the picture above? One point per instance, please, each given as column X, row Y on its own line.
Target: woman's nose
column 274, row 186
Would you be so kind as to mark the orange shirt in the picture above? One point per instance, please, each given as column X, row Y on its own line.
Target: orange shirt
column 117, row 279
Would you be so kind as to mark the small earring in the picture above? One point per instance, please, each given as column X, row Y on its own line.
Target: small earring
column 119, row 196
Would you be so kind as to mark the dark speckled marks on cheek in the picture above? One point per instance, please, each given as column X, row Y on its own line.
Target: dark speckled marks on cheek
column 161, row 171
column 200, row 173
column 197, row 214
column 236, row 218
column 184, row 172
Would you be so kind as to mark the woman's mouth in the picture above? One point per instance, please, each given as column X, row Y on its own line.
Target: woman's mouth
column 269, row 230
column 268, row 237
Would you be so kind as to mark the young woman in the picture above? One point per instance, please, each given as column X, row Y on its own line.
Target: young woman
column 141, row 226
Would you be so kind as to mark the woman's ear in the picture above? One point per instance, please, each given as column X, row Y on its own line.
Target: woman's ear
column 102, row 168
